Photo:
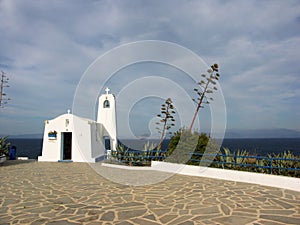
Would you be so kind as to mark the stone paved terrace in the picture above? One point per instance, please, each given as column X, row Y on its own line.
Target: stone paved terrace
column 73, row 193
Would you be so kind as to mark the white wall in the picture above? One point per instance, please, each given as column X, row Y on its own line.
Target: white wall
column 52, row 148
column 81, row 143
column 89, row 142
column 85, row 146
column 97, row 141
column 232, row 175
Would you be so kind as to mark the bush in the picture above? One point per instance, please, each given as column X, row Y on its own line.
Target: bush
column 4, row 146
column 285, row 160
column 183, row 143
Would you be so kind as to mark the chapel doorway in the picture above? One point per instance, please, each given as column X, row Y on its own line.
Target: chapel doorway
column 67, row 145
column 107, row 143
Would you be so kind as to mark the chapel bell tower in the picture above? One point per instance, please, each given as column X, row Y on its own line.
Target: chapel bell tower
column 107, row 116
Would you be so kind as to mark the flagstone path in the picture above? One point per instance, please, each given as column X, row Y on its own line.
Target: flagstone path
column 73, row 193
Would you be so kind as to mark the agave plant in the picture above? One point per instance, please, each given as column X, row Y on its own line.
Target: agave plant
column 148, row 146
column 284, row 160
column 148, row 151
column 207, row 86
column 261, row 164
column 228, row 159
column 3, row 84
column 241, row 157
column 166, row 120
column 121, row 152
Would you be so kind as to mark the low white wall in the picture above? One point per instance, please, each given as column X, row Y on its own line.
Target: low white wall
column 127, row 167
column 232, row 175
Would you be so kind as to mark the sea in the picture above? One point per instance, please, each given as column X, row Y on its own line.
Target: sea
column 32, row 148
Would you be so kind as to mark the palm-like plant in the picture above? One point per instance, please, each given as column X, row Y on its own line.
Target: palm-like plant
column 166, row 120
column 207, row 86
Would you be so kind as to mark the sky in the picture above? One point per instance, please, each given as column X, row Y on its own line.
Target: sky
column 47, row 46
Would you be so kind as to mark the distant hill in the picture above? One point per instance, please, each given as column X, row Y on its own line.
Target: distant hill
column 262, row 133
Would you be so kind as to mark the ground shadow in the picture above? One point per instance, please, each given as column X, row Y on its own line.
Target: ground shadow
column 16, row 162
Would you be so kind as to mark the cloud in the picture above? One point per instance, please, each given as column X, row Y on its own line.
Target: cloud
column 47, row 46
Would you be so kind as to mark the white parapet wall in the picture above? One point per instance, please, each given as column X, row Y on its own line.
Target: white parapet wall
column 290, row 183
column 2, row 159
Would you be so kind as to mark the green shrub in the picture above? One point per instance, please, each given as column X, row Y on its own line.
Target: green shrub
column 287, row 160
column 4, row 146
column 183, row 143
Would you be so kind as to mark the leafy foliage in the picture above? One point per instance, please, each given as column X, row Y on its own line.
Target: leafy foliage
column 285, row 160
column 282, row 164
column 183, row 143
column 124, row 155
column 4, row 146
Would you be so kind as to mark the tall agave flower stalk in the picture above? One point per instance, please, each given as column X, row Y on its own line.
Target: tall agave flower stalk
column 207, row 86
column 166, row 120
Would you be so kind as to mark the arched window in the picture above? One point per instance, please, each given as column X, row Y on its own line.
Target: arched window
column 106, row 104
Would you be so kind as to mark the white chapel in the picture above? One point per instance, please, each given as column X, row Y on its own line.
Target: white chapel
column 72, row 138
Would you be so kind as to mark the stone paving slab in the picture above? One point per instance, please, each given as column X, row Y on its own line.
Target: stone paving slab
column 34, row 192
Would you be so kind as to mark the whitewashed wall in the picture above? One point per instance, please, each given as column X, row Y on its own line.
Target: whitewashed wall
column 290, row 183
column 87, row 141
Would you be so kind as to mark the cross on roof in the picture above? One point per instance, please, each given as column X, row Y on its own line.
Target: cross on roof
column 107, row 90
